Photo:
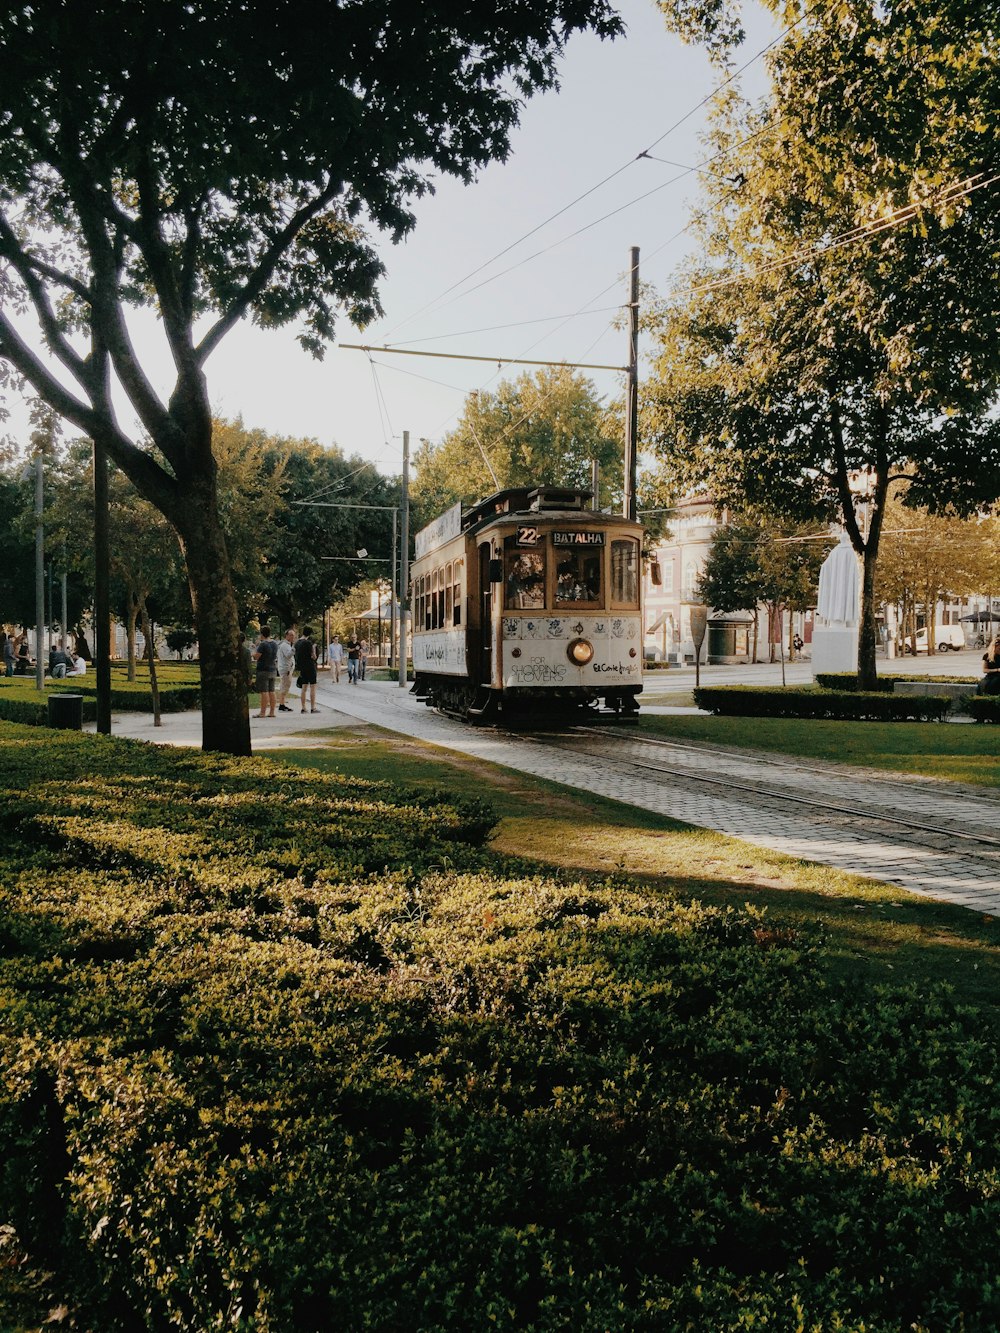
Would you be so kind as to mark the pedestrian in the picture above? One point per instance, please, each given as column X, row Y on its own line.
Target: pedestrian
column 8, row 654
column 247, row 650
column 286, row 661
column 990, row 683
column 78, row 664
column 266, row 658
column 336, row 657
column 22, row 657
column 305, row 665
column 61, row 661
column 363, row 659
column 353, row 660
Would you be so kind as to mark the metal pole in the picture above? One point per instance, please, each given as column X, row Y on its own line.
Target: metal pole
column 102, row 590
column 39, row 575
column 392, row 594
column 595, row 484
column 632, row 390
column 404, row 559
column 65, row 630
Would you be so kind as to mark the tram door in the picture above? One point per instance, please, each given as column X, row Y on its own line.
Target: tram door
column 485, row 655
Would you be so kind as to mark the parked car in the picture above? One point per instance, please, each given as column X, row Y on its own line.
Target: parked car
column 946, row 636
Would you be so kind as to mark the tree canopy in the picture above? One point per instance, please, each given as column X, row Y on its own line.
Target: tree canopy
column 841, row 325
column 544, row 428
column 220, row 160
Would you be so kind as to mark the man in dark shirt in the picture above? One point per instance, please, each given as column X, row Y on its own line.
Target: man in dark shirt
column 305, row 665
column 353, row 660
column 266, row 658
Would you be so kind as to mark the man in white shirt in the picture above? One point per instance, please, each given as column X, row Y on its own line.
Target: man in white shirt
column 79, row 667
column 286, row 661
column 336, row 657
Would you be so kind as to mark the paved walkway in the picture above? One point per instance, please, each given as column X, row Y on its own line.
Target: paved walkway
column 839, row 824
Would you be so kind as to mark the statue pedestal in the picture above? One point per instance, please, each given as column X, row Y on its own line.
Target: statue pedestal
column 835, row 648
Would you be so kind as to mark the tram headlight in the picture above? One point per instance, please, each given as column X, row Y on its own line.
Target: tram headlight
column 580, row 651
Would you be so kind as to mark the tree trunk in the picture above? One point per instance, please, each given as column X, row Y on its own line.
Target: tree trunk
column 225, row 711
column 154, row 688
column 867, row 629
column 130, row 619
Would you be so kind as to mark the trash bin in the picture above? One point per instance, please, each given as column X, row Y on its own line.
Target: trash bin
column 66, row 711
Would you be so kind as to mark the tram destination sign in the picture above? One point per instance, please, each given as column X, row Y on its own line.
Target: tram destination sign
column 578, row 538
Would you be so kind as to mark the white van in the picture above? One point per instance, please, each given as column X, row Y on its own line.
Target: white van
column 946, row 636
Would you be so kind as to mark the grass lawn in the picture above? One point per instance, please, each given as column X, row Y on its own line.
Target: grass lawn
column 957, row 752
column 875, row 932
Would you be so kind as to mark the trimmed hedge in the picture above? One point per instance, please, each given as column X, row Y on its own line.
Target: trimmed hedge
column 21, row 702
column 752, row 701
column 984, row 708
column 280, row 1054
column 848, row 680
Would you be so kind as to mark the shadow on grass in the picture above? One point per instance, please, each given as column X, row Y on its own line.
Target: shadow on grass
column 873, row 932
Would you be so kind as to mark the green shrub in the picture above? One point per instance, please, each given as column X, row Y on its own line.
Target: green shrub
column 751, row 701
column 278, row 1053
column 984, row 708
column 848, row 680
column 20, row 701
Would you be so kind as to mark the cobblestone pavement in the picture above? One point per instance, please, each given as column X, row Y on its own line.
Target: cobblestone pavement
column 842, row 816
column 936, row 851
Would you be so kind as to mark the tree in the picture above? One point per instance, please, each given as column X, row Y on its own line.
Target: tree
column 214, row 161
column 925, row 557
column 841, row 326
column 144, row 557
column 544, row 428
column 313, row 559
column 758, row 560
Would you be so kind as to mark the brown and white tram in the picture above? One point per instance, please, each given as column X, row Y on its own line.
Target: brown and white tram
column 528, row 603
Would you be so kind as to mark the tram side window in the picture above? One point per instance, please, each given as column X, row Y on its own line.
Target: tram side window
column 625, row 573
column 457, row 612
column 427, row 601
column 441, row 621
column 524, row 579
column 449, row 593
column 578, row 577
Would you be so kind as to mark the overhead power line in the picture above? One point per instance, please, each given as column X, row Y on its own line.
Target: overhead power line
column 905, row 213
column 644, row 153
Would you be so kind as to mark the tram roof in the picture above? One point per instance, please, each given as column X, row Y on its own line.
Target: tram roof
column 526, row 500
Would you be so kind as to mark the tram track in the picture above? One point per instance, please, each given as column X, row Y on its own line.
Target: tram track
column 764, row 793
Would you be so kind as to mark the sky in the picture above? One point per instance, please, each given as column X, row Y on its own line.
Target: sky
column 552, row 295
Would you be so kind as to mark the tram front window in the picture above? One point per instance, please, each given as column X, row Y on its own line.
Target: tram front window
column 625, row 573
column 578, row 577
column 525, row 580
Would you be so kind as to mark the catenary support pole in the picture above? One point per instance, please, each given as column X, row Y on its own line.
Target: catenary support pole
column 632, row 389
column 40, row 645
column 404, row 559
column 102, row 590
column 393, row 598
column 63, row 622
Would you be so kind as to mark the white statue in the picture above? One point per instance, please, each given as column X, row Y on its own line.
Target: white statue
column 839, row 599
